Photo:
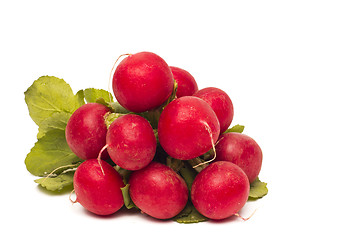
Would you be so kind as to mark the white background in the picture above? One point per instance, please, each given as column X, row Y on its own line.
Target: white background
column 292, row 69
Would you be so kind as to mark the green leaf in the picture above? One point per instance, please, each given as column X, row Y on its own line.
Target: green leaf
column 152, row 116
column 79, row 96
column 124, row 173
column 49, row 95
column 156, row 133
column 49, row 153
column 189, row 215
column 258, row 189
column 57, row 121
column 109, row 118
column 57, row 183
column 117, row 108
column 92, row 94
column 237, row 128
column 114, row 107
column 188, row 174
column 127, row 200
column 198, row 164
column 172, row 96
column 173, row 163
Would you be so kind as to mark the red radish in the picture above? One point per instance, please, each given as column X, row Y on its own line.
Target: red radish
column 142, row 81
column 188, row 128
column 158, row 191
column 131, row 142
column 187, row 85
column 242, row 150
column 96, row 191
column 86, row 131
column 221, row 103
column 220, row 190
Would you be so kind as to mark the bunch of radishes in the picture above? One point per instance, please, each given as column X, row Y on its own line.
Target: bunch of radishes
column 167, row 123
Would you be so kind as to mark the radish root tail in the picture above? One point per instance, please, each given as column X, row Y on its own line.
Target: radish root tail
column 112, row 70
column 72, row 201
column 245, row 219
column 52, row 172
column 99, row 158
column 212, row 145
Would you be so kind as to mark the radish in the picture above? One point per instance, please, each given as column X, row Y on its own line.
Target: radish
column 131, row 142
column 158, row 191
column 187, row 85
column 242, row 150
column 220, row 190
column 221, row 103
column 188, row 128
column 86, row 131
column 97, row 188
column 142, row 81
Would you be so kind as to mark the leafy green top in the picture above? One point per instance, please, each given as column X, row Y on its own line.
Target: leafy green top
column 49, row 95
column 258, row 189
column 237, row 128
column 51, row 102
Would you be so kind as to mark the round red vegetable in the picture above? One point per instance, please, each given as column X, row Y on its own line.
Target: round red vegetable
column 142, row 81
column 158, row 191
column 220, row 190
column 242, row 150
column 131, row 142
column 96, row 191
column 86, row 131
column 221, row 103
column 187, row 85
column 188, row 128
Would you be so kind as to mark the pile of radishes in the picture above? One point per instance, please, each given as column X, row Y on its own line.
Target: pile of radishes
column 166, row 123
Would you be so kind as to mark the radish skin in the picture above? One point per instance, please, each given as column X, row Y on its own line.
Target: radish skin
column 142, row 82
column 86, row 131
column 187, row 85
column 188, row 128
column 242, row 150
column 220, row 190
column 131, row 142
column 158, row 191
column 98, row 188
column 221, row 103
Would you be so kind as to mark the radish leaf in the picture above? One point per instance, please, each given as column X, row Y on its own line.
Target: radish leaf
column 49, row 95
column 50, row 152
column 237, row 128
column 56, row 183
column 92, row 94
column 258, row 189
